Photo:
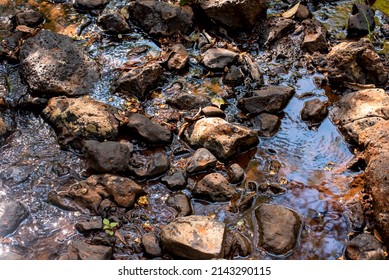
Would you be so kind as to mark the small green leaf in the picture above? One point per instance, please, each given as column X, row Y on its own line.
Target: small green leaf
column 106, row 222
column 113, row 224
column 106, row 227
column 110, row 232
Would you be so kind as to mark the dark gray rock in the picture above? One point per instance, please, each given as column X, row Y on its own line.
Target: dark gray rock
column 270, row 99
column 161, row 18
column 149, row 166
column 140, row 81
column 234, row 76
column 188, row 101
column 314, row 112
column 278, row 28
column 315, row 37
column 90, row 4
column 52, row 64
column 213, row 112
column 279, row 228
column 176, row 181
column 12, row 214
column 201, row 160
column 217, row 59
column 214, row 187
column 194, row 237
column 181, row 203
column 361, row 21
column 151, row 244
column 107, row 156
column 268, row 124
column 236, row 173
column 29, row 18
column 113, row 23
column 80, row 250
column 179, row 57
column 147, row 130
column 364, row 247
column 89, row 224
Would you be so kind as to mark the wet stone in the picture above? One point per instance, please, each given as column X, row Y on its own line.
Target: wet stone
column 179, row 57
column 214, row 187
column 29, row 18
column 80, row 250
column 181, row 203
column 149, row 166
column 194, row 237
column 90, row 4
column 365, row 247
column 113, row 23
column 360, row 21
column 278, row 28
column 279, row 228
column 201, row 160
column 268, row 124
column 151, row 244
column 236, row 173
column 217, row 59
column 234, row 76
column 92, row 223
column 176, row 181
column 315, row 37
column 107, row 156
column 213, row 112
column 314, row 112
column 12, row 214
column 188, row 101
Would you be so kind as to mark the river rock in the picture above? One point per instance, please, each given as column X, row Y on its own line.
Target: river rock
column 113, row 23
column 90, row 4
column 315, row 37
column 194, row 237
column 85, row 118
column 361, row 21
column 151, row 244
column 176, row 181
column 161, row 18
column 214, row 187
column 364, row 247
column 3, row 127
column 217, row 58
column 355, row 62
column 179, row 57
column 270, row 99
column 235, row 14
column 201, row 160
column 29, row 18
column 268, row 124
column 181, row 203
column 148, row 131
column 149, row 166
column 52, row 64
column 234, row 76
column 213, row 112
column 279, row 228
column 357, row 111
column 80, row 250
column 188, row 101
column 89, row 224
column 314, row 111
column 236, row 173
column 140, row 81
column 12, row 214
column 221, row 138
column 109, row 156
column 278, row 27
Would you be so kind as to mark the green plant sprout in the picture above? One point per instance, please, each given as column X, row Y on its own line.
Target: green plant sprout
column 109, row 227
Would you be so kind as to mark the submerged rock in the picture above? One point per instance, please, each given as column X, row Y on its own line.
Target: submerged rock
column 12, row 214
column 52, row 64
column 214, row 187
column 80, row 250
column 235, row 14
column 364, row 247
column 221, row 138
column 361, row 21
column 217, row 59
column 194, row 237
column 161, row 18
column 279, row 228
column 314, row 112
column 201, row 160
column 268, row 124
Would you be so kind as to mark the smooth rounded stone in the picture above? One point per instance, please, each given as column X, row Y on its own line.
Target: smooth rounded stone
column 279, row 228
column 236, row 173
column 213, row 112
column 181, row 203
column 176, row 181
column 90, row 4
column 90, row 224
column 179, row 57
column 147, row 130
column 268, row 124
column 29, row 18
column 106, row 157
column 149, row 166
column 12, row 214
column 52, row 64
column 235, row 14
column 113, row 23
column 221, row 138
column 214, row 187
column 75, row 118
column 314, row 111
column 201, row 160
column 361, row 21
column 188, row 101
column 161, row 18
column 315, row 37
column 217, row 58
column 355, row 62
column 270, row 99
column 194, row 237
column 365, row 247
column 358, row 111
column 138, row 82
column 234, row 76
column 80, row 250
column 151, row 244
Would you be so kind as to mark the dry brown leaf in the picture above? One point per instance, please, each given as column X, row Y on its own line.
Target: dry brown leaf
column 25, row 29
column 377, row 235
column 292, row 11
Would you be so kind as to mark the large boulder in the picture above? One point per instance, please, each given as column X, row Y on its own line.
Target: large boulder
column 194, row 237
column 52, row 64
column 85, row 118
column 221, row 138
column 355, row 62
column 235, row 14
column 279, row 228
column 12, row 214
column 214, row 187
column 161, row 18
